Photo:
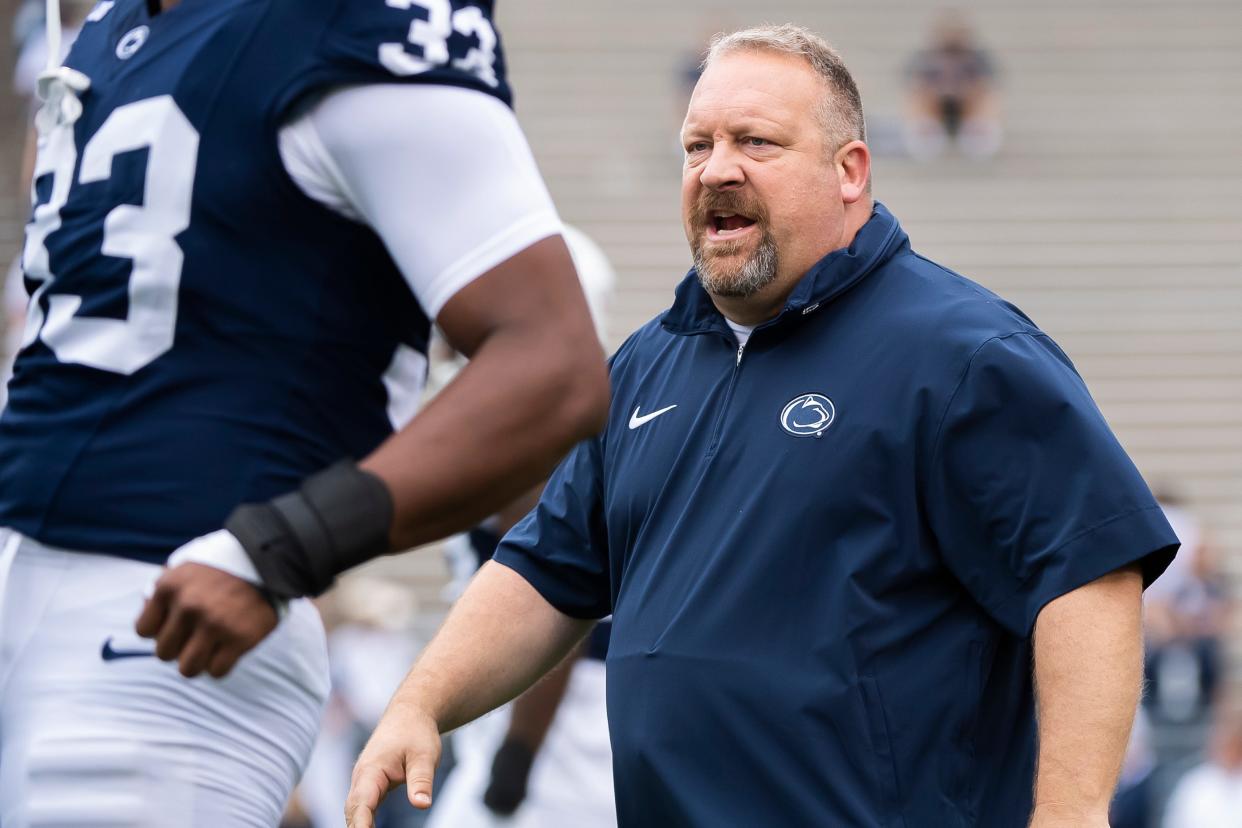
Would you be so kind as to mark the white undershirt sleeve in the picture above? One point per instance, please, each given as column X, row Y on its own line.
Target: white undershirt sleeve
column 442, row 174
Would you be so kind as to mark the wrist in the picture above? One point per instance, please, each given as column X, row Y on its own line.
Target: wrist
column 410, row 708
column 300, row 542
column 222, row 550
column 1059, row 814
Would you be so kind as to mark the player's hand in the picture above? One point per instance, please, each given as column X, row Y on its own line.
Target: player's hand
column 510, row 773
column 204, row 618
column 403, row 750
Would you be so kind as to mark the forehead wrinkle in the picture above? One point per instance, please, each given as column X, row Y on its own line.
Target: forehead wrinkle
column 755, row 105
column 784, row 78
column 750, row 101
column 731, row 114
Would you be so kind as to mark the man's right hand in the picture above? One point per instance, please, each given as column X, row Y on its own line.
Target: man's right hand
column 403, row 750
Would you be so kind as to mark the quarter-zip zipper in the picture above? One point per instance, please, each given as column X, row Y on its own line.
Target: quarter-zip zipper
column 724, row 404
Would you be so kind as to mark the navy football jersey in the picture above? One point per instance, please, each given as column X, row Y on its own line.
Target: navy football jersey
column 201, row 332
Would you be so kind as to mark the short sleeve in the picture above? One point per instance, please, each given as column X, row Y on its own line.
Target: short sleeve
column 443, row 175
column 1029, row 494
column 561, row 546
column 443, row 42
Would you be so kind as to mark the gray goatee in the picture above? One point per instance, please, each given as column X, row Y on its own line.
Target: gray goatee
column 720, row 279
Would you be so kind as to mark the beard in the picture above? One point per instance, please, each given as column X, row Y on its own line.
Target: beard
column 717, row 267
column 720, row 277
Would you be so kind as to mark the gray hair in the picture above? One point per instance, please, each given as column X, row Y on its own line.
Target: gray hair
column 841, row 111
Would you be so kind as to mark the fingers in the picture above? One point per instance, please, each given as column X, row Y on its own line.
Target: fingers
column 154, row 611
column 368, row 789
column 172, row 636
column 163, row 619
column 405, row 747
column 224, row 659
column 205, row 619
column 197, row 653
column 420, row 772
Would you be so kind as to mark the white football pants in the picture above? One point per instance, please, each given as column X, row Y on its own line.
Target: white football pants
column 95, row 732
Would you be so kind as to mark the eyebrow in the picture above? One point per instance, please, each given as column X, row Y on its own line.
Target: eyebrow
column 747, row 123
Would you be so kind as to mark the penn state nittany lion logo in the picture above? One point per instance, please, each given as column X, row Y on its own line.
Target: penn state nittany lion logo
column 808, row 415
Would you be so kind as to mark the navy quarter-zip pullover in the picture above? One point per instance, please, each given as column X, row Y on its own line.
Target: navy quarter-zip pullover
column 825, row 552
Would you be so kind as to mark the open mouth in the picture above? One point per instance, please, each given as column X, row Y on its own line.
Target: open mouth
column 726, row 225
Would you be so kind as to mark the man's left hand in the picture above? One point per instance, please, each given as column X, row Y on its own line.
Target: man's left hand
column 205, row 619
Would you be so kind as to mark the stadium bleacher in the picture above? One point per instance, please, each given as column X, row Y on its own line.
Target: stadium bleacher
column 1112, row 214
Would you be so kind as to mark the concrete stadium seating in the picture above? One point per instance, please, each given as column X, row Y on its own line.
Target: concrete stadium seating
column 1112, row 215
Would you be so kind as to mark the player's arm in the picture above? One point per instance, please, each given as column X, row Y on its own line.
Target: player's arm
column 444, row 176
column 500, row 637
column 535, row 385
column 447, row 180
column 1088, row 679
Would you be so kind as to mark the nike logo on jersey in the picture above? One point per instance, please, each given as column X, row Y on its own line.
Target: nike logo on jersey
column 110, row 654
column 100, row 11
column 636, row 421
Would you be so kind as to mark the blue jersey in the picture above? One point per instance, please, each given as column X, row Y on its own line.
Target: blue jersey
column 201, row 332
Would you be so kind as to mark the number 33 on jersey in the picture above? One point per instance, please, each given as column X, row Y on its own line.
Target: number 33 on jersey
column 184, row 290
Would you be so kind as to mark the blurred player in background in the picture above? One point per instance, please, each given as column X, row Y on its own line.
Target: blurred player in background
column 543, row 761
column 1186, row 616
column 247, row 215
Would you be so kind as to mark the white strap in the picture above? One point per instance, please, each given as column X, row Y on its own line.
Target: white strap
column 221, row 550
column 53, row 34
column 58, row 86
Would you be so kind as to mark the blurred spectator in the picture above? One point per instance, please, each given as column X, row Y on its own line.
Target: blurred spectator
column 1131, row 806
column 1210, row 795
column 687, row 69
column 1186, row 614
column 952, row 97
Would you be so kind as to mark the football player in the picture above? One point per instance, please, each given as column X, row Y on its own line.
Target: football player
column 247, row 214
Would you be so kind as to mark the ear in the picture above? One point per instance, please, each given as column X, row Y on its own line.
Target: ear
column 853, row 163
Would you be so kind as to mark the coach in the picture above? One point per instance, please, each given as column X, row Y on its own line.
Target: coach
column 844, row 500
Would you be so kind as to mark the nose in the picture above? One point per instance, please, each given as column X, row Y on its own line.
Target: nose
column 723, row 170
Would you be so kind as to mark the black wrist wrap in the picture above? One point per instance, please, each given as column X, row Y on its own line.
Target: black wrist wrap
column 301, row 541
